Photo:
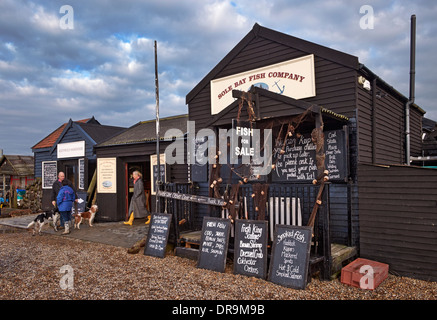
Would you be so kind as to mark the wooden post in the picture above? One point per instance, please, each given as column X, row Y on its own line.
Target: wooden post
column 4, row 191
column 91, row 188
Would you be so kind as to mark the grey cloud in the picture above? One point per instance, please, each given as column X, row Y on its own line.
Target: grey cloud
column 105, row 65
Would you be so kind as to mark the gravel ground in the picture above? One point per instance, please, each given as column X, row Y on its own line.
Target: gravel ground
column 30, row 269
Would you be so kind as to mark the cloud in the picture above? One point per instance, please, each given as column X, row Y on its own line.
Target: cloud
column 105, row 65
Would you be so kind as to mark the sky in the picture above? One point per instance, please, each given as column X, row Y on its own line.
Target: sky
column 74, row 59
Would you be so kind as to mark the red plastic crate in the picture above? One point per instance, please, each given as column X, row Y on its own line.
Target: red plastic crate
column 364, row 273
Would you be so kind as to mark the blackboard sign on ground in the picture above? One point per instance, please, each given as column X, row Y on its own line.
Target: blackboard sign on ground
column 250, row 248
column 158, row 235
column 290, row 256
column 214, row 244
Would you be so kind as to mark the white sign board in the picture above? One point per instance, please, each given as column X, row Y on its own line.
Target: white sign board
column 293, row 78
column 71, row 149
column 106, row 175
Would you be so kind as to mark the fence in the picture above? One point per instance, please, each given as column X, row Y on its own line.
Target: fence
column 289, row 204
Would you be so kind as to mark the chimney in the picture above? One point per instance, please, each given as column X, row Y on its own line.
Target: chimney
column 412, row 86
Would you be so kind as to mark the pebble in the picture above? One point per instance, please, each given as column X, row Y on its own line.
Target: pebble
column 30, row 269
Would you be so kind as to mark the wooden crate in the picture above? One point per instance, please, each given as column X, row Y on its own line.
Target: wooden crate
column 364, row 273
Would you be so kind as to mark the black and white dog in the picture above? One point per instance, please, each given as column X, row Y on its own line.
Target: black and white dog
column 43, row 218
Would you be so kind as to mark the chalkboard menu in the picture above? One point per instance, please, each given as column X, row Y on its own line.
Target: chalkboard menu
column 250, row 248
column 155, row 175
column 199, row 170
column 298, row 163
column 49, row 174
column 157, row 236
column 214, row 244
column 336, row 154
column 290, row 256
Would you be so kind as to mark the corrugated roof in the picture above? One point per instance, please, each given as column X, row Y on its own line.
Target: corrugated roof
column 145, row 131
column 17, row 165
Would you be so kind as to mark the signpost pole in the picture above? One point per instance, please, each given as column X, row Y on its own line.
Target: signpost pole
column 157, row 129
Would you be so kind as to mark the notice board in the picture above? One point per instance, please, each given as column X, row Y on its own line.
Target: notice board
column 49, row 174
column 157, row 236
column 298, row 163
column 250, row 248
column 214, row 244
column 290, row 256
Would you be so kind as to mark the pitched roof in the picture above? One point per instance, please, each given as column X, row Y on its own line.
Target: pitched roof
column 145, row 131
column 336, row 56
column 17, row 165
column 51, row 139
column 99, row 132
column 279, row 37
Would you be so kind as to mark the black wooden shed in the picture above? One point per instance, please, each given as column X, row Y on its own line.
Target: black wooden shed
column 349, row 97
column 69, row 148
column 135, row 149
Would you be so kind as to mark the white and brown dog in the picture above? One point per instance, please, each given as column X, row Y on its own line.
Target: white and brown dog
column 88, row 215
column 43, row 218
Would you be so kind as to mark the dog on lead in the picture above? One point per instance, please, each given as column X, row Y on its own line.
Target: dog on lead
column 88, row 215
column 44, row 218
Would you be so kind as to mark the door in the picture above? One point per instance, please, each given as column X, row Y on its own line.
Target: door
column 144, row 168
column 71, row 173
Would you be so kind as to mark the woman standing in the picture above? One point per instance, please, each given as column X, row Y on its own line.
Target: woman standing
column 137, row 206
column 65, row 199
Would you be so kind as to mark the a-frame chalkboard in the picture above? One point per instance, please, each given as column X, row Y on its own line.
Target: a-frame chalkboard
column 214, row 244
column 290, row 256
column 157, row 237
column 250, row 248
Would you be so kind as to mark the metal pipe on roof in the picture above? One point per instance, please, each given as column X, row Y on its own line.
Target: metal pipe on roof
column 412, row 89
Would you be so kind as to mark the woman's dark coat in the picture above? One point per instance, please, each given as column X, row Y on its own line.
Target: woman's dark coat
column 138, row 201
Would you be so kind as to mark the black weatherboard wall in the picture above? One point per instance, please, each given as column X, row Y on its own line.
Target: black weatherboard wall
column 398, row 218
column 375, row 117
